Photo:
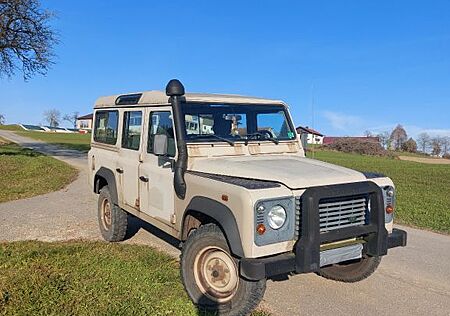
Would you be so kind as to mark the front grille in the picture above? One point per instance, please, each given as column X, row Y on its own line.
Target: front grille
column 342, row 212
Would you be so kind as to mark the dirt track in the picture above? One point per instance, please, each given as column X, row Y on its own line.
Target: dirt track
column 433, row 161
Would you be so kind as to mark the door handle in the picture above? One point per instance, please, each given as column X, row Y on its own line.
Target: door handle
column 143, row 178
column 119, row 170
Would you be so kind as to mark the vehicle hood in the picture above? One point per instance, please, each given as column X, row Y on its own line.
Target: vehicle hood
column 295, row 172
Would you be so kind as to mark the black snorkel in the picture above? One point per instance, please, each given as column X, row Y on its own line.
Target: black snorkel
column 175, row 92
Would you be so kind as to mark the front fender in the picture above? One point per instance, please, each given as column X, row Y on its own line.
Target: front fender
column 223, row 216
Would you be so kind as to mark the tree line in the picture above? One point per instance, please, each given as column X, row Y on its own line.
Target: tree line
column 53, row 118
column 398, row 140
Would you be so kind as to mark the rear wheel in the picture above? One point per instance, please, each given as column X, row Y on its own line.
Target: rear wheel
column 211, row 276
column 351, row 271
column 112, row 220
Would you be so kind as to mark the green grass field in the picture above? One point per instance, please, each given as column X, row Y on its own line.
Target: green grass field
column 11, row 127
column 423, row 190
column 67, row 140
column 25, row 173
column 90, row 278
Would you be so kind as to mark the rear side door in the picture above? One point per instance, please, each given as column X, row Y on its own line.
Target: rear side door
column 156, row 172
column 130, row 156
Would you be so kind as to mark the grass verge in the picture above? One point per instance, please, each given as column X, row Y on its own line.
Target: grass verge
column 25, row 173
column 423, row 197
column 11, row 127
column 90, row 278
column 75, row 141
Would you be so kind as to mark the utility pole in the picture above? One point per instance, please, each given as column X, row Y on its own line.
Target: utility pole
column 312, row 118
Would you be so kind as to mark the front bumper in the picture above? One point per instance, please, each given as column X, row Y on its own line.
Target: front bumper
column 261, row 268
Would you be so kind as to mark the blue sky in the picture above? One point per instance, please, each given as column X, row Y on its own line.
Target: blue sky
column 368, row 64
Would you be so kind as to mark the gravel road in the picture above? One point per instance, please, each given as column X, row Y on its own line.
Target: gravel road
column 410, row 281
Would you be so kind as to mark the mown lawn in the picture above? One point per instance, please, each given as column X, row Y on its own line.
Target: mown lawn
column 25, row 173
column 90, row 278
column 423, row 190
column 67, row 140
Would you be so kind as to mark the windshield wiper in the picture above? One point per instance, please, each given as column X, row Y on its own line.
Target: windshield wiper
column 229, row 141
column 265, row 136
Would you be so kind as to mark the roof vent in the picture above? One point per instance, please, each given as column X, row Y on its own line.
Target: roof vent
column 128, row 99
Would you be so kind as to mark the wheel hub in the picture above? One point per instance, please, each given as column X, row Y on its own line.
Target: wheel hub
column 216, row 274
column 106, row 214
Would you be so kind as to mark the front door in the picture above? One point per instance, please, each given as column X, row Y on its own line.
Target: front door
column 130, row 156
column 156, row 172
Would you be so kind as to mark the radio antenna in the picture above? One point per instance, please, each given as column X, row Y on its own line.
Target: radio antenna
column 312, row 119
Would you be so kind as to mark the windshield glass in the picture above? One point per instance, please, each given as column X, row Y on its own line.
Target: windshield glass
column 219, row 122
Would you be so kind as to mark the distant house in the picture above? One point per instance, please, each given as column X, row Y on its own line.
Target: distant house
column 330, row 139
column 85, row 122
column 313, row 136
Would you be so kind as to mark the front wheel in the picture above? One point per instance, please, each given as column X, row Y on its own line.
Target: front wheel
column 211, row 276
column 351, row 271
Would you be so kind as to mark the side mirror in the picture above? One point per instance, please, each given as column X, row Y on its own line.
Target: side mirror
column 304, row 140
column 160, row 142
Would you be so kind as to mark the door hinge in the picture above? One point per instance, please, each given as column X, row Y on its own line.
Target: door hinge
column 173, row 218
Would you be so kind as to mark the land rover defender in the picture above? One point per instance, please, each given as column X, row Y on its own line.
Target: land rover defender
column 228, row 177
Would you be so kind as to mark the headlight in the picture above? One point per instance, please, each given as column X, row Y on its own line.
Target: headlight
column 276, row 217
column 390, row 192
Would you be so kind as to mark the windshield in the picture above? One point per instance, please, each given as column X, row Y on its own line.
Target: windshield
column 231, row 122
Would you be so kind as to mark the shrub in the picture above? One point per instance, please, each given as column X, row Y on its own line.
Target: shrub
column 358, row 146
column 446, row 156
column 410, row 146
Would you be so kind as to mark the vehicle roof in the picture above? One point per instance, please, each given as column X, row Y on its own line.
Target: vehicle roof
column 159, row 97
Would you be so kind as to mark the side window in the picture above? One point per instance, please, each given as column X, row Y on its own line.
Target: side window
column 105, row 130
column 132, row 126
column 161, row 123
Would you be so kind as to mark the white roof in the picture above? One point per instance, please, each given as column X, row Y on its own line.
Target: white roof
column 160, row 97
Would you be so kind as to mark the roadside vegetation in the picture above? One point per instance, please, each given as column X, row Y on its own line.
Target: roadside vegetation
column 90, row 278
column 75, row 141
column 26, row 173
column 423, row 198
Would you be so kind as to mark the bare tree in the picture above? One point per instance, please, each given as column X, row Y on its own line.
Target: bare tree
column 384, row 139
column 423, row 140
column 26, row 38
column 436, row 146
column 398, row 137
column 445, row 144
column 72, row 118
column 53, row 117
column 368, row 133
column 2, row 119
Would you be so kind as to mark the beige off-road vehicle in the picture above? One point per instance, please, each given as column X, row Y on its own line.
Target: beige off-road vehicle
column 228, row 177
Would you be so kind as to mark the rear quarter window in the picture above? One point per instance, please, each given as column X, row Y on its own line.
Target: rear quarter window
column 106, row 125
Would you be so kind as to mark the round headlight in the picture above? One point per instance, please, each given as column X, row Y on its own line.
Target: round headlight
column 276, row 217
column 390, row 192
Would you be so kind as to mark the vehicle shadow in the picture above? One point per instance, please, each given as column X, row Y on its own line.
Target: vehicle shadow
column 135, row 224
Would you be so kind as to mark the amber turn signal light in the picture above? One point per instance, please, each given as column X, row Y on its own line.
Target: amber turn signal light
column 260, row 229
column 389, row 209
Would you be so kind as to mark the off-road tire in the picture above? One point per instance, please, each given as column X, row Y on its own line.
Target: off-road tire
column 115, row 228
column 351, row 271
column 247, row 295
